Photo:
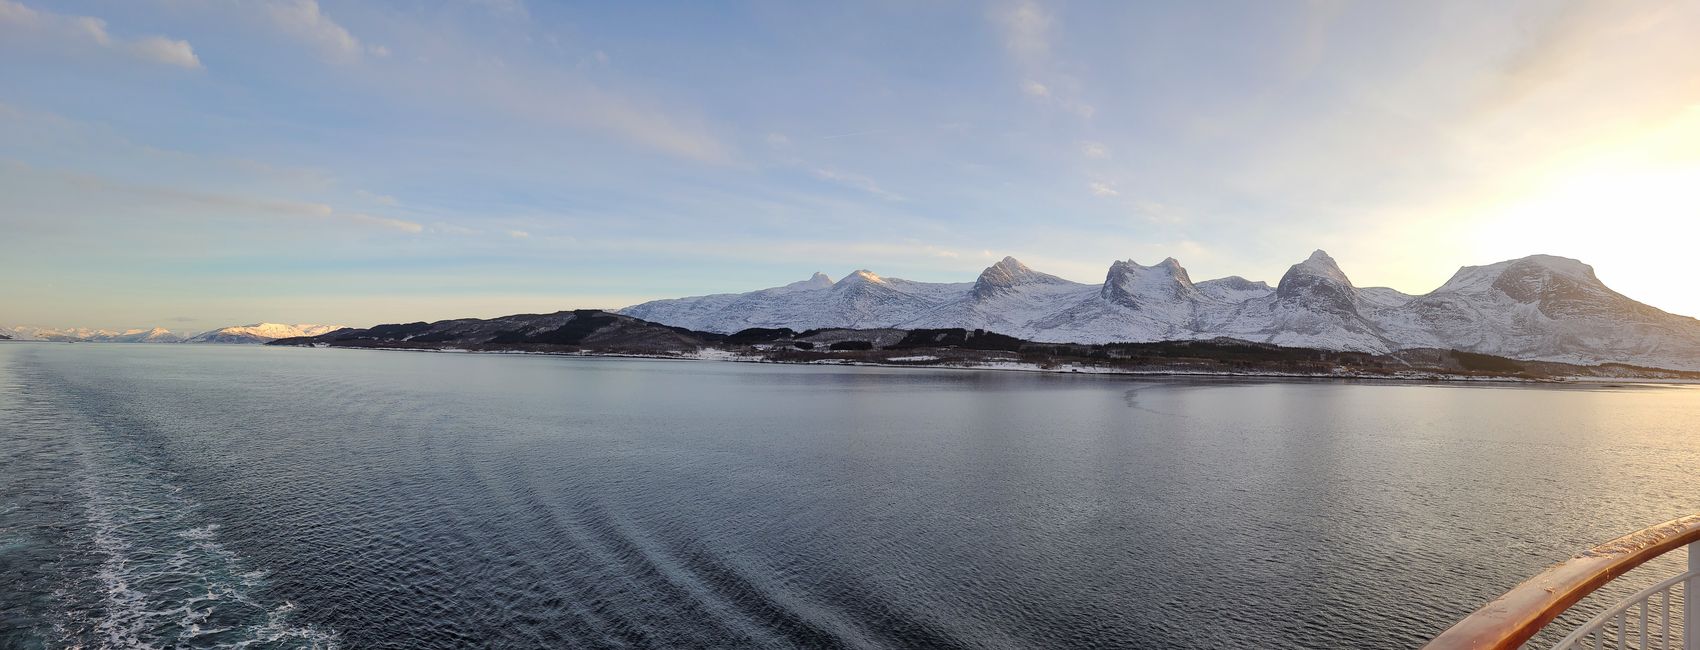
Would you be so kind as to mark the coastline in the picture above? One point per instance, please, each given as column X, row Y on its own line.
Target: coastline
column 715, row 354
column 931, row 362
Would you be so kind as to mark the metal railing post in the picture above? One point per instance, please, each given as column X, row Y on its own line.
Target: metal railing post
column 1691, row 601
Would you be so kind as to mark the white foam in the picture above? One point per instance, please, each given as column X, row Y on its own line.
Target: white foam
column 208, row 578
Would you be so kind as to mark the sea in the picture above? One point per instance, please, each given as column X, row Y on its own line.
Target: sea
column 206, row 496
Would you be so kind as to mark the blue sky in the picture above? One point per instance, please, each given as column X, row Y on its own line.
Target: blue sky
column 198, row 163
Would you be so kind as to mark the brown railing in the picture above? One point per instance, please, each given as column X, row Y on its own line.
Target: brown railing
column 1521, row 613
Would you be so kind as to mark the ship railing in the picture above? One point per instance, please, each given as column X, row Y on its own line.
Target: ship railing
column 1655, row 617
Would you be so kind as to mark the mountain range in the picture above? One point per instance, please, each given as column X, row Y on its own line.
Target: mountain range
column 256, row 333
column 1540, row 307
column 82, row 334
column 260, row 333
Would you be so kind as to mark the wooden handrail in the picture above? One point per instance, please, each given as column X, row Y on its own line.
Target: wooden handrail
column 1520, row 614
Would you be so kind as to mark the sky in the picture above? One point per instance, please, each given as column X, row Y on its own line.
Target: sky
column 199, row 163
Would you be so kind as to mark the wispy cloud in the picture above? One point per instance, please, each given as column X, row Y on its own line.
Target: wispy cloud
column 506, row 7
column 305, row 21
column 86, row 31
column 1026, row 31
column 99, row 191
column 1027, row 28
column 856, row 181
column 1094, row 150
column 380, row 199
column 160, row 49
column 1102, row 189
column 469, row 79
column 852, row 134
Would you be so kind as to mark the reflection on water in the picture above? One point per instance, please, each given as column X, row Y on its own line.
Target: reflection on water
column 184, row 496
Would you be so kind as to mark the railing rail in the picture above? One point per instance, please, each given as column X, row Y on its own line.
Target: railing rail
column 1654, row 627
column 1518, row 615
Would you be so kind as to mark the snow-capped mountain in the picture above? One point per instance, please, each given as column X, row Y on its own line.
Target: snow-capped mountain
column 153, row 335
column 260, row 333
column 1539, row 307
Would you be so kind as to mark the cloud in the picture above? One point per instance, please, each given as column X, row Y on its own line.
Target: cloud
column 857, row 181
column 1027, row 28
column 1094, row 150
column 444, row 69
column 519, row 234
column 1159, row 213
column 99, row 193
column 303, row 20
column 1102, row 189
column 554, row 96
column 402, row 225
column 380, row 199
column 1026, row 31
column 1580, row 33
column 160, row 49
column 508, row 7
column 70, row 31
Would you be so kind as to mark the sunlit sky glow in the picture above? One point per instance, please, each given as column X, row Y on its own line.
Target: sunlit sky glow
column 198, row 163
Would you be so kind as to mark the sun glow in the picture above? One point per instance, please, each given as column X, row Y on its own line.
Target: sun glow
column 1631, row 210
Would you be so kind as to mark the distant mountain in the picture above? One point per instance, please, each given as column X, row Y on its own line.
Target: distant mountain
column 260, row 333
column 154, row 335
column 580, row 330
column 81, row 334
column 1536, row 308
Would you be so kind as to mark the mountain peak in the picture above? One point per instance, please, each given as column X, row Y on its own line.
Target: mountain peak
column 1560, row 286
column 1479, row 278
column 1321, row 265
column 1565, row 265
column 1132, row 284
column 261, row 332
column 863, row 275
column 817, row 281
column 1319, row 282
column 1009, row 273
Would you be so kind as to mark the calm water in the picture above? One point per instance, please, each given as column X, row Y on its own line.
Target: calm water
column 187, row 496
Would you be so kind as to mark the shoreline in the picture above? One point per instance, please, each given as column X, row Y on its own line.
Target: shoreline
column 923, row 362
column 1068, row 369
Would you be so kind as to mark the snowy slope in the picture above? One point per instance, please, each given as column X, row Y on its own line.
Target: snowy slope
column 1549, row 308
column 153, row 335
column 1314, row 306
column 1539, row 307
column 260, row 333
column 1005, row 298
column 861, row 299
